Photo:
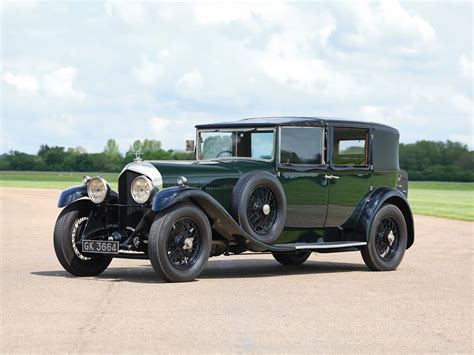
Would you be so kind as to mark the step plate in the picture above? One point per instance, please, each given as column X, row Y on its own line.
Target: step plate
column 315, row 246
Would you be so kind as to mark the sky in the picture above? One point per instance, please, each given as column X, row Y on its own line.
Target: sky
column 79, row 73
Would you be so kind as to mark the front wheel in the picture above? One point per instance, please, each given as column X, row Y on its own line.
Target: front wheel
column 387, row 240
column 67, row 234
column 179, row 243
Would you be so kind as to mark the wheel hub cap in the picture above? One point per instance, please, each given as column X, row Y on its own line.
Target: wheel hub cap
column 184, row 243
column 266, row 209
column 391, row 238
column 188, row 243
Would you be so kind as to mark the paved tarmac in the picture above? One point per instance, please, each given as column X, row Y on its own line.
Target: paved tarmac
column 246, row 303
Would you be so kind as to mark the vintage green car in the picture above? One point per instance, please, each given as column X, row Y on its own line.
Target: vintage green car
column 287, row 185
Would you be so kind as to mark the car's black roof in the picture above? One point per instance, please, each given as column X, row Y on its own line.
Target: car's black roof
column 290, row 121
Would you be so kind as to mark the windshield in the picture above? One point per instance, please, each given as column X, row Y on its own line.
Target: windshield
column 231, row 144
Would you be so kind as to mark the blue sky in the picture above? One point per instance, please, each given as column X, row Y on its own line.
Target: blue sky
column 76, row 74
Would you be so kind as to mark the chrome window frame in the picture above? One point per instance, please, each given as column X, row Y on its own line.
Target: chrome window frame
column 243, row 129
column 323, row 146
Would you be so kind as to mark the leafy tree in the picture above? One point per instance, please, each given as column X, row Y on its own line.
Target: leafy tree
column 111, row 149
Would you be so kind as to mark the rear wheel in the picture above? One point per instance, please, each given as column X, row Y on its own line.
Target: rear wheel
column 387, row 241
column 67, row 233
column 179, row 243
column 296, row 258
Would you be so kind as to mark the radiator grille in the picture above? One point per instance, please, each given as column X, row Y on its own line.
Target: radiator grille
column 129, row 215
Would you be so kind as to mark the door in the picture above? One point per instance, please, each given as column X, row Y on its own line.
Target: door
column 349, row 178
column 302, row 171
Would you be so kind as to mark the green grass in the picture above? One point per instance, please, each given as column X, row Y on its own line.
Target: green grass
column 453, row 200
column 49, row 179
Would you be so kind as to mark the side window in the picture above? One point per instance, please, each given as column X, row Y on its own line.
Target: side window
column 350, row 147
column 261, row 145
column 301, row 145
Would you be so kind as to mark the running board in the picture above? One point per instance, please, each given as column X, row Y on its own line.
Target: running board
column 316, row 246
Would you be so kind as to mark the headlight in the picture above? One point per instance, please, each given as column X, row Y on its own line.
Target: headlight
column 141, row 189
column 97, row 189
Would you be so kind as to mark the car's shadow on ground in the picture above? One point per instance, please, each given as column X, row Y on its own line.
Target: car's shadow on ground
column 220, row 269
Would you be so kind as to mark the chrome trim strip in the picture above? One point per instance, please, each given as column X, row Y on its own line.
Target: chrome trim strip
column 147, row 169
column 330, row 246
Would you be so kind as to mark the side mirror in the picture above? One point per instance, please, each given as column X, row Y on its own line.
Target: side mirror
column 190, row 146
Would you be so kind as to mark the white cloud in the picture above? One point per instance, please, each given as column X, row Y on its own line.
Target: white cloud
column 159, row 124
column 26, row 83
column 385, row 24
column 59, row 83
column 394, row 116
column 173, row 132
column 63, row 126
column 132, row 13
column 190, row 81
column 467, row 66
column 463, row 104
column 164, row 53
column 148, row 71
column 213, row 13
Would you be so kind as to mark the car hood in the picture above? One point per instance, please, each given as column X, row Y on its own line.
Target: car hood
column 203, row 173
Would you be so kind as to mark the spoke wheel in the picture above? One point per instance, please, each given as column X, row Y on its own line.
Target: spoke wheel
column 67, row 236
column 76, row 235
column 387, row 238
column 184, row 244
column 262, row 210
column 180, row 242
column 258, row 204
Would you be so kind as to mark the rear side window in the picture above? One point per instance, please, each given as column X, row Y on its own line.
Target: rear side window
column 301, row 145
column 350, row 147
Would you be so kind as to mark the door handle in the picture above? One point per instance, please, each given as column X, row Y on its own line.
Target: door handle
column 335, row 177
column 331, row 177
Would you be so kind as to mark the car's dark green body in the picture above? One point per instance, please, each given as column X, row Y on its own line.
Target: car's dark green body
column 319, row 211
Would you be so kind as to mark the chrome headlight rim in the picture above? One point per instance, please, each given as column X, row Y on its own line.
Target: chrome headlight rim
column 104, row 192
column 151, row 189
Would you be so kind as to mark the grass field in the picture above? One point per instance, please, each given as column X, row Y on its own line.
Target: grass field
column 453, row 200
column 49, row 180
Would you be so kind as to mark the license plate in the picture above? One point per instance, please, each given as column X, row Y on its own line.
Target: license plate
column 100, row 246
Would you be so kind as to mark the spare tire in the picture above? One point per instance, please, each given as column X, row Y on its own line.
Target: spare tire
column 259, row 205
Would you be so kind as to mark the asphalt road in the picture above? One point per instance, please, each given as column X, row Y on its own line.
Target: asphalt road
column 240, row 304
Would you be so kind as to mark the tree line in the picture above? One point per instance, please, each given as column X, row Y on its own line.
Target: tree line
column 424, row 160
column 77, row 159
column 437, row 161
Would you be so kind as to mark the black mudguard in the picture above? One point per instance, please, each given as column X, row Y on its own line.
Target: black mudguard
column 72, row 194
column 372, row 204
column 221, row 220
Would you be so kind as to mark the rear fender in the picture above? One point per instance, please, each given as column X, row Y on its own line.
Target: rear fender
column 375, row 201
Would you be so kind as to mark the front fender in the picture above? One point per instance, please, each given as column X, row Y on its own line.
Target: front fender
column 373, row 203
column 72, row 194
column 221, row 220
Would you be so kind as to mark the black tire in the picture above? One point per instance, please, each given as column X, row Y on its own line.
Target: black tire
column 245, row 204
column 387, row 240
column 67, row 228
column 167, row 242
column 295, row 258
